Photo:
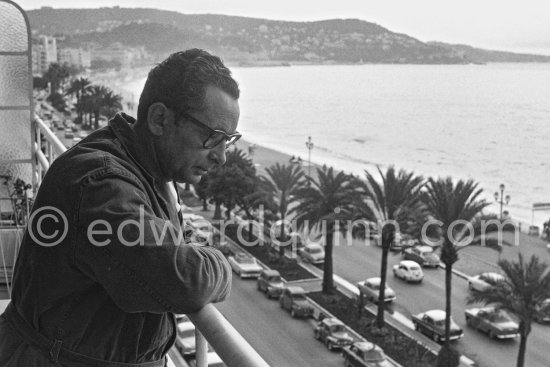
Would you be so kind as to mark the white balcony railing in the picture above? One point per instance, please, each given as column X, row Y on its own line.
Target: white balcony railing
column 233, row 349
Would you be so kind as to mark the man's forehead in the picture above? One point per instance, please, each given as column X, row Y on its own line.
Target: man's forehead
column 221, row 109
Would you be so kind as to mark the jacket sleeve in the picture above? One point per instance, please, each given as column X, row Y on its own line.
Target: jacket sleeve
column 141, row 259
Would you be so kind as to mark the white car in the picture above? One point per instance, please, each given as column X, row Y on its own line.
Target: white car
column 185, row 338
column 370, row 288
column 212, row 360
column 312, row 253
column 409, row 271
column 202, row 229
column 245, row 265
column 483, row 281
column 192, row 217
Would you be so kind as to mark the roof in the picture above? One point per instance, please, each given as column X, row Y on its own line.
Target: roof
column 410, row 263
column 375, row 280
column 492, row 275
column 365, row 346
column 425, row 248
column 296, row 290
column 271, row 273
column 314, row 245
column 242, row 255
column 436, row 314
column 330, row 321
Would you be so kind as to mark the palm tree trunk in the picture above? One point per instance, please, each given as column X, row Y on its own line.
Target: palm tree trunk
column 382, row 291
column 448, row 285
column 282, row 235
column 250, row 231
column 328, row 282
column 218, row 210
column 522, row 348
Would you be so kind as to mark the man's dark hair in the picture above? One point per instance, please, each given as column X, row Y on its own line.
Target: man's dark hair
column 180, row 82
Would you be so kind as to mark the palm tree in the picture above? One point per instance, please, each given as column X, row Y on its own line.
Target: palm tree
column 56, row 76
column 525, row 286
column 234, row 183
column 456, row 207
column 111, row 103
column 79, row 87
column 323, row 205
column 281, row 184
column 97, row 95
column 393, row 203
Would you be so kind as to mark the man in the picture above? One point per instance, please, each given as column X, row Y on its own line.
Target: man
column 103, row 266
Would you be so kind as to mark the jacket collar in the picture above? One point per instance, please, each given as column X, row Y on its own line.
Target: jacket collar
column 121, row 126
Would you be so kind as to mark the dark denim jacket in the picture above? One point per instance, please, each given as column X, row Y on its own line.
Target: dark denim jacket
column 110, row 296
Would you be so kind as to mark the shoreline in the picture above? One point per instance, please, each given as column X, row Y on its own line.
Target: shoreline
column 279, row 152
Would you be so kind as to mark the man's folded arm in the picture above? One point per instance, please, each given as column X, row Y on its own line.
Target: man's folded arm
column 140, row 259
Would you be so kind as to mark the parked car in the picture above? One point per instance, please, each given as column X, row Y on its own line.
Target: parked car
column 294, row 299
column 333, row 333
column 432, row 324
column 192, row 217
column 270, row 283
column 212, row 360
column 185, row 338
column 293, row 241
column 370, row 289
column 496, row 323
column 399, row 242
column 543, row 311
column 245, row 265
column 484, row 280
column 312, row 253
column 423, row 255
column 409, row 271
column 365, row 354
column 202, row 229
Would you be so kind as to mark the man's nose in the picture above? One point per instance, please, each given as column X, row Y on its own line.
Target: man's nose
column 217, row 154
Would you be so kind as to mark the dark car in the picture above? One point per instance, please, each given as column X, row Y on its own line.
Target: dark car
column 496, row 323
column 185, row 338
column 333, row 333
column 432, row 324
column 423, row 255
column 293, row 299
column 543, row 311
column 399, row 242
column 365, row 354
column 270, row 283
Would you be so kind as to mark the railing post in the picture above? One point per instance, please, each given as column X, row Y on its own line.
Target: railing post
column 232, row 348
column 201, row 349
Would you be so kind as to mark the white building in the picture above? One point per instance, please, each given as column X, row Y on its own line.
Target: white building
column 77, row 57
column 43, row 54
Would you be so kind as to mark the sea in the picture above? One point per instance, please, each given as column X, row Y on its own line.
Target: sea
column 489, row 123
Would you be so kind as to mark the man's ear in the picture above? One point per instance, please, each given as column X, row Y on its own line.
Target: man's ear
column 158, row 116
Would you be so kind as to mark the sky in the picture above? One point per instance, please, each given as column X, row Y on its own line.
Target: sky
column 509, row 25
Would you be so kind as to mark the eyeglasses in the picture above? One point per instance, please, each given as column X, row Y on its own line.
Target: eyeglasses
column 216, row 136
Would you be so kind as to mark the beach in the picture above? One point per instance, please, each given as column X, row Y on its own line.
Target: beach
column 476, row 130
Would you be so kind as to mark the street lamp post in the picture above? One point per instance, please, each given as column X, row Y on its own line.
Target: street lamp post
column 309, row 146
column 500, row 198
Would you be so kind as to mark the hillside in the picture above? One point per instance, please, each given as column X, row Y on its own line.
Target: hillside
column 484, row 56
column 246, row 39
